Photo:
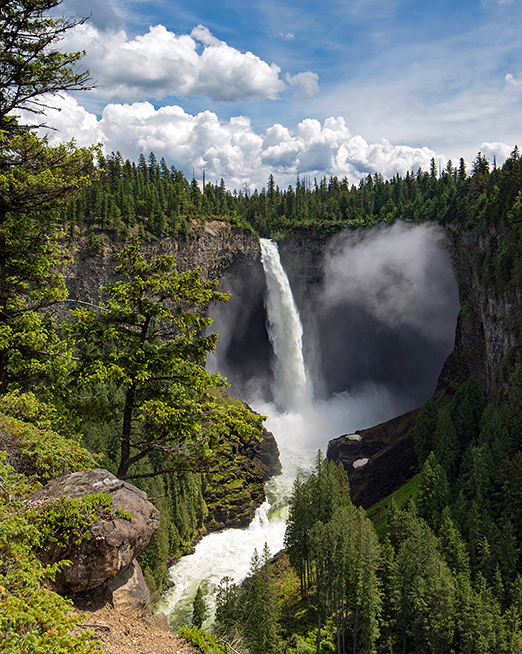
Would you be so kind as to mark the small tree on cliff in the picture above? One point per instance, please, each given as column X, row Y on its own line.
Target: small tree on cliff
column 147, row 341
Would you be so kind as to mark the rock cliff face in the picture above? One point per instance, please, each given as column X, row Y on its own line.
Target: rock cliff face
column 217, row 248
column 489, row 322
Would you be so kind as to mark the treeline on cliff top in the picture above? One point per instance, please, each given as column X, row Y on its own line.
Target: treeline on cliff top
column 160, row 200
column 150, row 199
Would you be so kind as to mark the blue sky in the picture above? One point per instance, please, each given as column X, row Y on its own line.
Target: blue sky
column 346, row 87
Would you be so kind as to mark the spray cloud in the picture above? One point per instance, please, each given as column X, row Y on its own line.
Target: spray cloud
column 400, row 275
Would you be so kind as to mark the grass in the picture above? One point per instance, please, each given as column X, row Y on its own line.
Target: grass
column 378, row 513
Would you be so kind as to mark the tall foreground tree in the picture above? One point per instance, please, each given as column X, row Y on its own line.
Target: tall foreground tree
column 30, row 65
column 35, row 180
column 147, row 342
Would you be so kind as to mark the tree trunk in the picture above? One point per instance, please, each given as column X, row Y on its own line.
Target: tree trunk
column 355, row 629
column 126, row 432
column 3, row 303
column 319, row 634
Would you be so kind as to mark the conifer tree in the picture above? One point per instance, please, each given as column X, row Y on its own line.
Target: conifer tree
column 32, row 66
column 199, row 608
column 148, row 341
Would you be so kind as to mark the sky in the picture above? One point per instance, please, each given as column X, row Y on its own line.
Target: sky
column 297, row 88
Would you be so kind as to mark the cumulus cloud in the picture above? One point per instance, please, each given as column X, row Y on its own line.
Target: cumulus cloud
column 69, row 120
column 308, row 82
column 160, row 63
column 498, row 151
column 513, row 80
column 233, row 149
column 287, row 36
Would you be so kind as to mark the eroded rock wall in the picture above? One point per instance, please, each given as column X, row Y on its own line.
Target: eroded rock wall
column 489, row 323
column 214, row 250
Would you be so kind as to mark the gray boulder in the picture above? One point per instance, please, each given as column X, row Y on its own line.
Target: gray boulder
column 128, row 592
column 113, row 542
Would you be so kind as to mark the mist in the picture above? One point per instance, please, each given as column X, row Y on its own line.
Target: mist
column 378, row 324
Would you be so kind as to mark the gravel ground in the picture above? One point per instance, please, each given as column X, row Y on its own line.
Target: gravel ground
column 128, row 633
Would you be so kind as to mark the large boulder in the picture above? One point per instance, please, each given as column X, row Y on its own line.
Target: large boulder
column 128, row 592
column 113, row 542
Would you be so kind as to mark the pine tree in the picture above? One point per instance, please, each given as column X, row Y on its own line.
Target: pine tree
column 31, row 64
column 261, row 610
column 199, row 608
column 148, row 340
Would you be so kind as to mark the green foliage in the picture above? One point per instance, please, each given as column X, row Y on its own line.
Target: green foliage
column 199, row 608
column 332, row 545
column 205, row 642
column 425, row 429
column 35, row 179
column 147, row 341
column 31, row 67
column 250, row 613
column 41, row 414
column 433, row 492
column 31, row 618
column 67, row 521
column 229, row 605
column 48, row 454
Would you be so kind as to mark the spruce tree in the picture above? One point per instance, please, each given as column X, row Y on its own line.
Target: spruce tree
column 199, row 608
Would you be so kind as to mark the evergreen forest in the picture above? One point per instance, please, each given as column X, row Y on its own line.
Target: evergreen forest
column 123, row 385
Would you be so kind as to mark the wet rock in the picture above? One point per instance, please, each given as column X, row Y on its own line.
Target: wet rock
column 266, row 455
column 351, row 449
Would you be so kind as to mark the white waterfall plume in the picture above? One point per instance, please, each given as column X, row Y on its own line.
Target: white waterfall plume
column 292, row 388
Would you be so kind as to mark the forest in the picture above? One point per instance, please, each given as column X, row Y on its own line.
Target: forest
column 124, row 385
column 154, row 201
column 442, row 572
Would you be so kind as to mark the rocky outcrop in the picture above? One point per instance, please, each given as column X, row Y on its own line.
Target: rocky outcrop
column 112, row 543
column 391, row 465
column 233, row 495
column 265, row 454
column 352, row 451
column 128, row 591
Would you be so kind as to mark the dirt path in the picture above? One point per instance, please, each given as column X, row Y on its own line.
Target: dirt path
column 129, row 633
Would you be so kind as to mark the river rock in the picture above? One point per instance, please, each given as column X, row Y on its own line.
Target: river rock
column 114, row 541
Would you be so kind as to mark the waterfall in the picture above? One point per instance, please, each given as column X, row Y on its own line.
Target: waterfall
column 292, row 388
column 228, row 553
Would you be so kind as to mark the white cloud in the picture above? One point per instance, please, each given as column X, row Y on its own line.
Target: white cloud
column 512, row 80
column 287, row 36
column 498, row 151
column 160, row 63
column 232, row 149
column 70, row 120
column 309, row 83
